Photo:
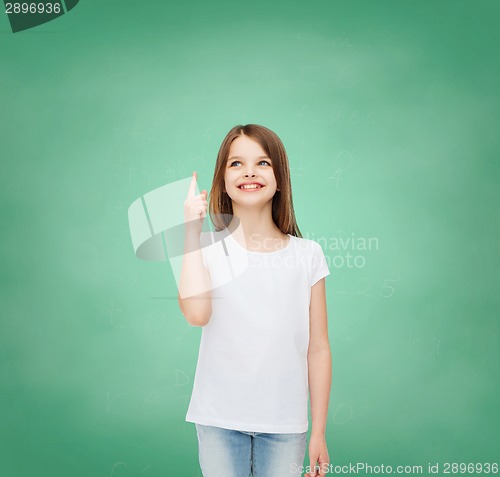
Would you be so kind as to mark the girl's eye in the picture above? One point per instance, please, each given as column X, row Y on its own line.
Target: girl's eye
column 263, row 160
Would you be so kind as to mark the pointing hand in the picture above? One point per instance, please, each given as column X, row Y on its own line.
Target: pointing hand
column 195, row 206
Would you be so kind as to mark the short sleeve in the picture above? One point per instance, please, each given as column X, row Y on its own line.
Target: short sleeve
column 319, row 266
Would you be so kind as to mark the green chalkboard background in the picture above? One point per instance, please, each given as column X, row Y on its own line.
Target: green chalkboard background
column 389, row 112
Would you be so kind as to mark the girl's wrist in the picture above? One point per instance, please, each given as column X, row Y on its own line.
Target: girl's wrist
column 192, row 229
column 318, row 433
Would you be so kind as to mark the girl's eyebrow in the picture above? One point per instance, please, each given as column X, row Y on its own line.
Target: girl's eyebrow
column 239, row 157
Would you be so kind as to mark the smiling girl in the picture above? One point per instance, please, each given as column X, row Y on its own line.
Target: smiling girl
column 257, row 289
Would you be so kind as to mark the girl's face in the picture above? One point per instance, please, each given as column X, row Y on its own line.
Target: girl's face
column 248, row 163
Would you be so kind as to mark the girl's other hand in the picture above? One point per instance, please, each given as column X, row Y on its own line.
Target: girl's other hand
column 195, row 207
column 318, row 456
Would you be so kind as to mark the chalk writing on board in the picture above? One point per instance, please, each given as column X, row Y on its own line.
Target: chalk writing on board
column 342, row 413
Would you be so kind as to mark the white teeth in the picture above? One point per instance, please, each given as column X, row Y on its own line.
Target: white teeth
column 251, row 186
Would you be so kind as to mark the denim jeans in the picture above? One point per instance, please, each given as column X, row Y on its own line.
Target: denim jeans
column 230, row 453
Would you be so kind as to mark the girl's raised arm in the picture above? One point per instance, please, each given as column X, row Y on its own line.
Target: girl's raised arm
column 195, row 298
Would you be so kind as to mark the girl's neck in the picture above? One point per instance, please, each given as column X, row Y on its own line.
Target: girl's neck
column 255, row 223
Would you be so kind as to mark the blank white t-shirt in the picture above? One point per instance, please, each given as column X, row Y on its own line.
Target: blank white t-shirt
column 252, row 370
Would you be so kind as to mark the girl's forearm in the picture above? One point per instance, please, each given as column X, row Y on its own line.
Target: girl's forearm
column 320, row 382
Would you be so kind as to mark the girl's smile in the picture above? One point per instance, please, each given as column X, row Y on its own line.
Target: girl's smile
column 250, row 187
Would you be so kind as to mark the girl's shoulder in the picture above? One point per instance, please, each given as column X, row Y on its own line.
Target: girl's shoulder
column 307, row 244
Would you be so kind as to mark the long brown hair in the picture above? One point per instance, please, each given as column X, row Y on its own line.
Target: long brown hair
column 220, row 205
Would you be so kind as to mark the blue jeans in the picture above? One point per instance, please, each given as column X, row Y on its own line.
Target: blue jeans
column 229, row 453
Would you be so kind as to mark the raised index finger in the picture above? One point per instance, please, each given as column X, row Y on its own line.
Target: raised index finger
column 192, row 185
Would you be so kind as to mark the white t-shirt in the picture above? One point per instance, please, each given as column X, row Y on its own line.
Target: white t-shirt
column 252, row 372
